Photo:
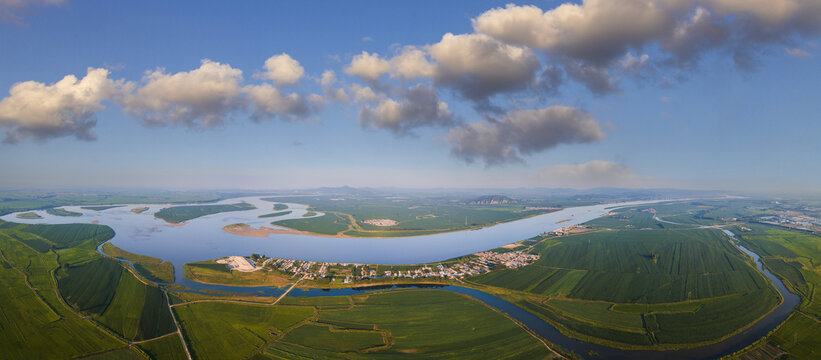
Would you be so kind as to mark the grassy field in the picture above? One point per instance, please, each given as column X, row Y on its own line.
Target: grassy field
column 210, row 272
column 279, row 213
column 429, row 324
column 114, row 297
column 151, row 268
column 640, row 288
column 634, row 266
column 35, row 322
column 328, row 224
column 794, row 257
column 414, row 216
column 167, row 348
column 62, row 212
column 179, row 214
column 234, row 331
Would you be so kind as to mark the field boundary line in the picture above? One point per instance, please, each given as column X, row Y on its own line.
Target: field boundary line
column 177, row 325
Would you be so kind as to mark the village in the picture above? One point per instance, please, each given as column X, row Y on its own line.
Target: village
column 478, row 263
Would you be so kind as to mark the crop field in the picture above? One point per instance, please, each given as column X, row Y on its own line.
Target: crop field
column 35, row 322
column 280, row 213
column 234, row 331
column 635, row 266
column 430, row 324
column 167, row 348
column 65, row 235
column 640, row 288
column 794, row 257
column 179, row 214
column 628, row 219
column 328, row 224
column 117, row 299
column 330, row 338
column 62, row 212
column 151, row 268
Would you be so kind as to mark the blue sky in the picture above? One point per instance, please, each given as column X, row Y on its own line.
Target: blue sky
column 737, row 111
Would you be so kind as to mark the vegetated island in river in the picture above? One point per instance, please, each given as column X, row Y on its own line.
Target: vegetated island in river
column 243, row 229
column 29, row 216
column 62, row 212
column 139, row 210
column 180, row 214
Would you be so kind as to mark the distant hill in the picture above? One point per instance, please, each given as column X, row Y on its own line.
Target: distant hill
column 493, row 200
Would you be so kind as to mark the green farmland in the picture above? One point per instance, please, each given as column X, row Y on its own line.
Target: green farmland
column 36, row 321
column 640, row 288
column 429, row 324
column 328, row 224
column 179, row 214
column 794, row 257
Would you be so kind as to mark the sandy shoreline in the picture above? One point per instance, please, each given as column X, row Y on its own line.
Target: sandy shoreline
column 265, row 231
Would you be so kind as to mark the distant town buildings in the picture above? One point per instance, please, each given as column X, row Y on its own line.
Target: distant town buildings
column 480, row 262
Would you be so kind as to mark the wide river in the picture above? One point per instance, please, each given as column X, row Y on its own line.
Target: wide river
column 203, row 239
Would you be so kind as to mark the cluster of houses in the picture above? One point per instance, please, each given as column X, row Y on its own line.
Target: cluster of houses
column 479, row 263
column 801, row 222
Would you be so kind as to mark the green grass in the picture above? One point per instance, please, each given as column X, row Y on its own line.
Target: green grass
column 70, row 235
column 117, row 299
column 619, row 266
column 137, row 311
column 331, row 339
column 179, row 214
column 415, row 216
column 323, row 302
column 35, row 324
column 628, row 219
column 152, row 268
column 62, row 212
column 328, row 224
column 28, row 215
column 167, row 348
column 794, row 257
column 281, row 213
column 234, row 331
column 430, row 324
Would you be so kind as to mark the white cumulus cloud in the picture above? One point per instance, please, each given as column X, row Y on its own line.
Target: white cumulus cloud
column 67, row 107
column 199, row 98
column 283, row 69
